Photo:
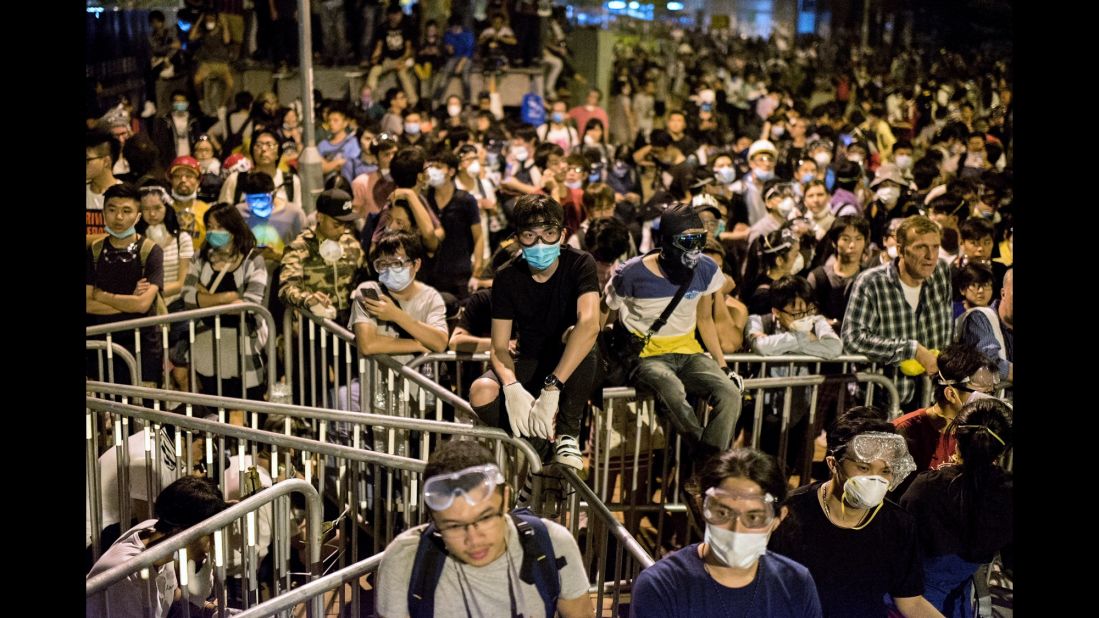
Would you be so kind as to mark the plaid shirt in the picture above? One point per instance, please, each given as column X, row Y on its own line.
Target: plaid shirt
column 881, row 324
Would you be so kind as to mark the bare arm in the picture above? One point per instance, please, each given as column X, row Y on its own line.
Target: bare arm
column 582, row 338
column 478, row 247
column 499, row 355
column 580, row 607
column 95, row 307
column 462, row 341
column 431, row 338
column 430, row 234
column 206, row 299
column 370, row 342
column 916, row 607
column 126, row 303
column 705, row 316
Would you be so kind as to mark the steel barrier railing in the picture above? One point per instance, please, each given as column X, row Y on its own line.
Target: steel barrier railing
column 113, row 349
column 174, row 547
column 164, row 321
column 313, row 590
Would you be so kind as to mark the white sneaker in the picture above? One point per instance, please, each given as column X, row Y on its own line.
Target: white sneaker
column 567, row 453
column 149, row 111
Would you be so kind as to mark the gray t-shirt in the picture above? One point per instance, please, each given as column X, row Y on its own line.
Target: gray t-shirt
column 425, row 306
column 487, row 591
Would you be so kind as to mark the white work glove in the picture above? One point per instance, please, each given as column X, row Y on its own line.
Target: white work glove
column 734, row 377
column 543, row 413
column 519, row 403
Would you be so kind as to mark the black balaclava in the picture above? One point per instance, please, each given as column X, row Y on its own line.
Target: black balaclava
column 678, row 264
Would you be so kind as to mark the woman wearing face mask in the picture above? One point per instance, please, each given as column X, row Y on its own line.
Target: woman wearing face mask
column 770, row 258
column 228, row 270
column 848, row 518
column 964, row 510
column 595, row 138
column 210, row 177
column 741, row 494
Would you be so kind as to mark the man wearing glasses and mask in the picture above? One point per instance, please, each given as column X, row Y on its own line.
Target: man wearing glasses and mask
column 551, row 295
column 672, row 363
column 474, row 558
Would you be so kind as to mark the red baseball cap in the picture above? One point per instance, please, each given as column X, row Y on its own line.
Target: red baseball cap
column 188, row 162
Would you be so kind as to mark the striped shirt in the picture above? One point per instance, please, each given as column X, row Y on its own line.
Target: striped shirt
column 177, row 251
column 882, row 325
column 640, row 296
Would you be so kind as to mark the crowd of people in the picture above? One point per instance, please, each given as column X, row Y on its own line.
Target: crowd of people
column 728, row 195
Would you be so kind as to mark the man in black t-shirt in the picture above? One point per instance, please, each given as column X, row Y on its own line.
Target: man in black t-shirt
column 459, row 254
column 123, row 275
column 393, row 51
column 550, row 294
column 858, row 545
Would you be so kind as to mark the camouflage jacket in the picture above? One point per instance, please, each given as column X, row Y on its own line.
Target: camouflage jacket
column 304, row 271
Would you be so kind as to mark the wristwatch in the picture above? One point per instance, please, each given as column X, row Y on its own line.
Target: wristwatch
column 551, row 380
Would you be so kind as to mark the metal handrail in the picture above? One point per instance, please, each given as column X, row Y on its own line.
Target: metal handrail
column 210, row 525
column 628, row 392
column 313, row 589
column 115, row 350
column 617, row 529
column 738, row 357
column 228, row 430
column 365, row 418
column 181, row 316
column 409, row 373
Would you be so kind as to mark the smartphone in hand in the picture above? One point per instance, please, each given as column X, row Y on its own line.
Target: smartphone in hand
column 371, row 293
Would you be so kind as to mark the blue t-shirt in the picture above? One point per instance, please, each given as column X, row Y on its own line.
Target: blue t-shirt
column 349, row 148
column 678, row 585
column 462, row 43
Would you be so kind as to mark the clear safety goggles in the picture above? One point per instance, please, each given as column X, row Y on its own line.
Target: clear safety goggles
column 888, row 447
column 754, row 511
column 983, row 380
column 474, row 484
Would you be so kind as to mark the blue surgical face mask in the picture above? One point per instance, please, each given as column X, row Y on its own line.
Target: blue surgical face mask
column 557, row 117
column 260, row 204
column 541, row 256
column 725, row 174
column 412, row 128
column 764, row 175
column 180, row 106
column 218, row 238
column 807, row 177
column 124, row 233
column 396, row 279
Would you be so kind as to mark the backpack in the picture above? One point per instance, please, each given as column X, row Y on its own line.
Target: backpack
column 431, row 555
column 143, row 254
column 533, row 110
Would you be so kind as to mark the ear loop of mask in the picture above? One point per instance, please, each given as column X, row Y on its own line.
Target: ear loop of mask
column 843, row 503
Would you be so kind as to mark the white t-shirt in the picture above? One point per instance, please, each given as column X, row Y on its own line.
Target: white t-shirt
column 425, row 306
column 175, row 254
column 911, row 294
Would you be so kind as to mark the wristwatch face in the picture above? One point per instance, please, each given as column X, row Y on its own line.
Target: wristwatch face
column 551, row 380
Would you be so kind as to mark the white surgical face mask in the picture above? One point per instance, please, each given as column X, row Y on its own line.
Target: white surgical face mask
column 453, row 110
column 436, row 177
column 520, row 153
column 904, row 162
column 803, row 325
column 822, row 159
column 474, row 168
column 158, row 233
column 889, row 195
column 786, row 206
column 736, row 549
column 865, row 492
column 891, row 252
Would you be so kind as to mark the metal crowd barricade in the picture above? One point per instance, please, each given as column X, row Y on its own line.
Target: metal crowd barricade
column 632, row 450
column 163, row 322
column 377, row 492
column 175, row 547
column 113, row 349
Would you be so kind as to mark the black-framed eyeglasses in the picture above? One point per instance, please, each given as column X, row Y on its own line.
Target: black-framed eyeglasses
column 797, row 315
column 481, row 524
column 548, row 234
column 381, row 264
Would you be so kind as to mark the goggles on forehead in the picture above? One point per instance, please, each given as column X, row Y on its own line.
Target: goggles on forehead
column 157, row 191
column 753, row 510
column 693, row 241
column 787, row 240
column 475, row 484
column 983, row 380
column 783, row 189
column 888, row 447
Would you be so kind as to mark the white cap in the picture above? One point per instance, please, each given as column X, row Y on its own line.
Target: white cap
column 761, row 145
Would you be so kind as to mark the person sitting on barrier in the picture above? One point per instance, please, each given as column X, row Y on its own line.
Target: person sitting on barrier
column 846, row 241
column 123, row 277
column 792, row 327
column 902, row 309
column 228, row 270
column 550, row 296
column 394, row 49
column 964, row 511
column 964, row 375
column 181, row 505
column 672, row 363
column 849, row 516
column 397, row 314
column 740, row 493
column 497, row 563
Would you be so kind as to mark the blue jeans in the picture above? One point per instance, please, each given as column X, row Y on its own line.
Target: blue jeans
column 443, row 79
column 673, row 376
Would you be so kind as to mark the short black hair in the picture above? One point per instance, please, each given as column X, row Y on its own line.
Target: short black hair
column 156, row 15
column 607, row 239
column 526, row 133
column 976, row 228
column 124, row 190
column 788, row 289
column 457, row 454
column 950, row 204
column 902, row 143
column 407, row 166
column 861, row 225
column 748, row 463
column 856, row 420
column 391, row 242
column 659, row 138
column 257, row 182
column 187, row 501
column 971, row 273
column 103, row 142
column 393, row 8
column 543, row 151
column 443, row 156
column 958, row 361
column 924, row 171
column 535, row 209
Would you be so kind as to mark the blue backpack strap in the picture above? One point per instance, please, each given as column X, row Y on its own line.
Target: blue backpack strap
column 540, row 566
column 431, row 556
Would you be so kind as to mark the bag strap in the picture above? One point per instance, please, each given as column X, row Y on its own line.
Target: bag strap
column 540, row 567
column 401, row 332
column 663, row 319
column 427, row 568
